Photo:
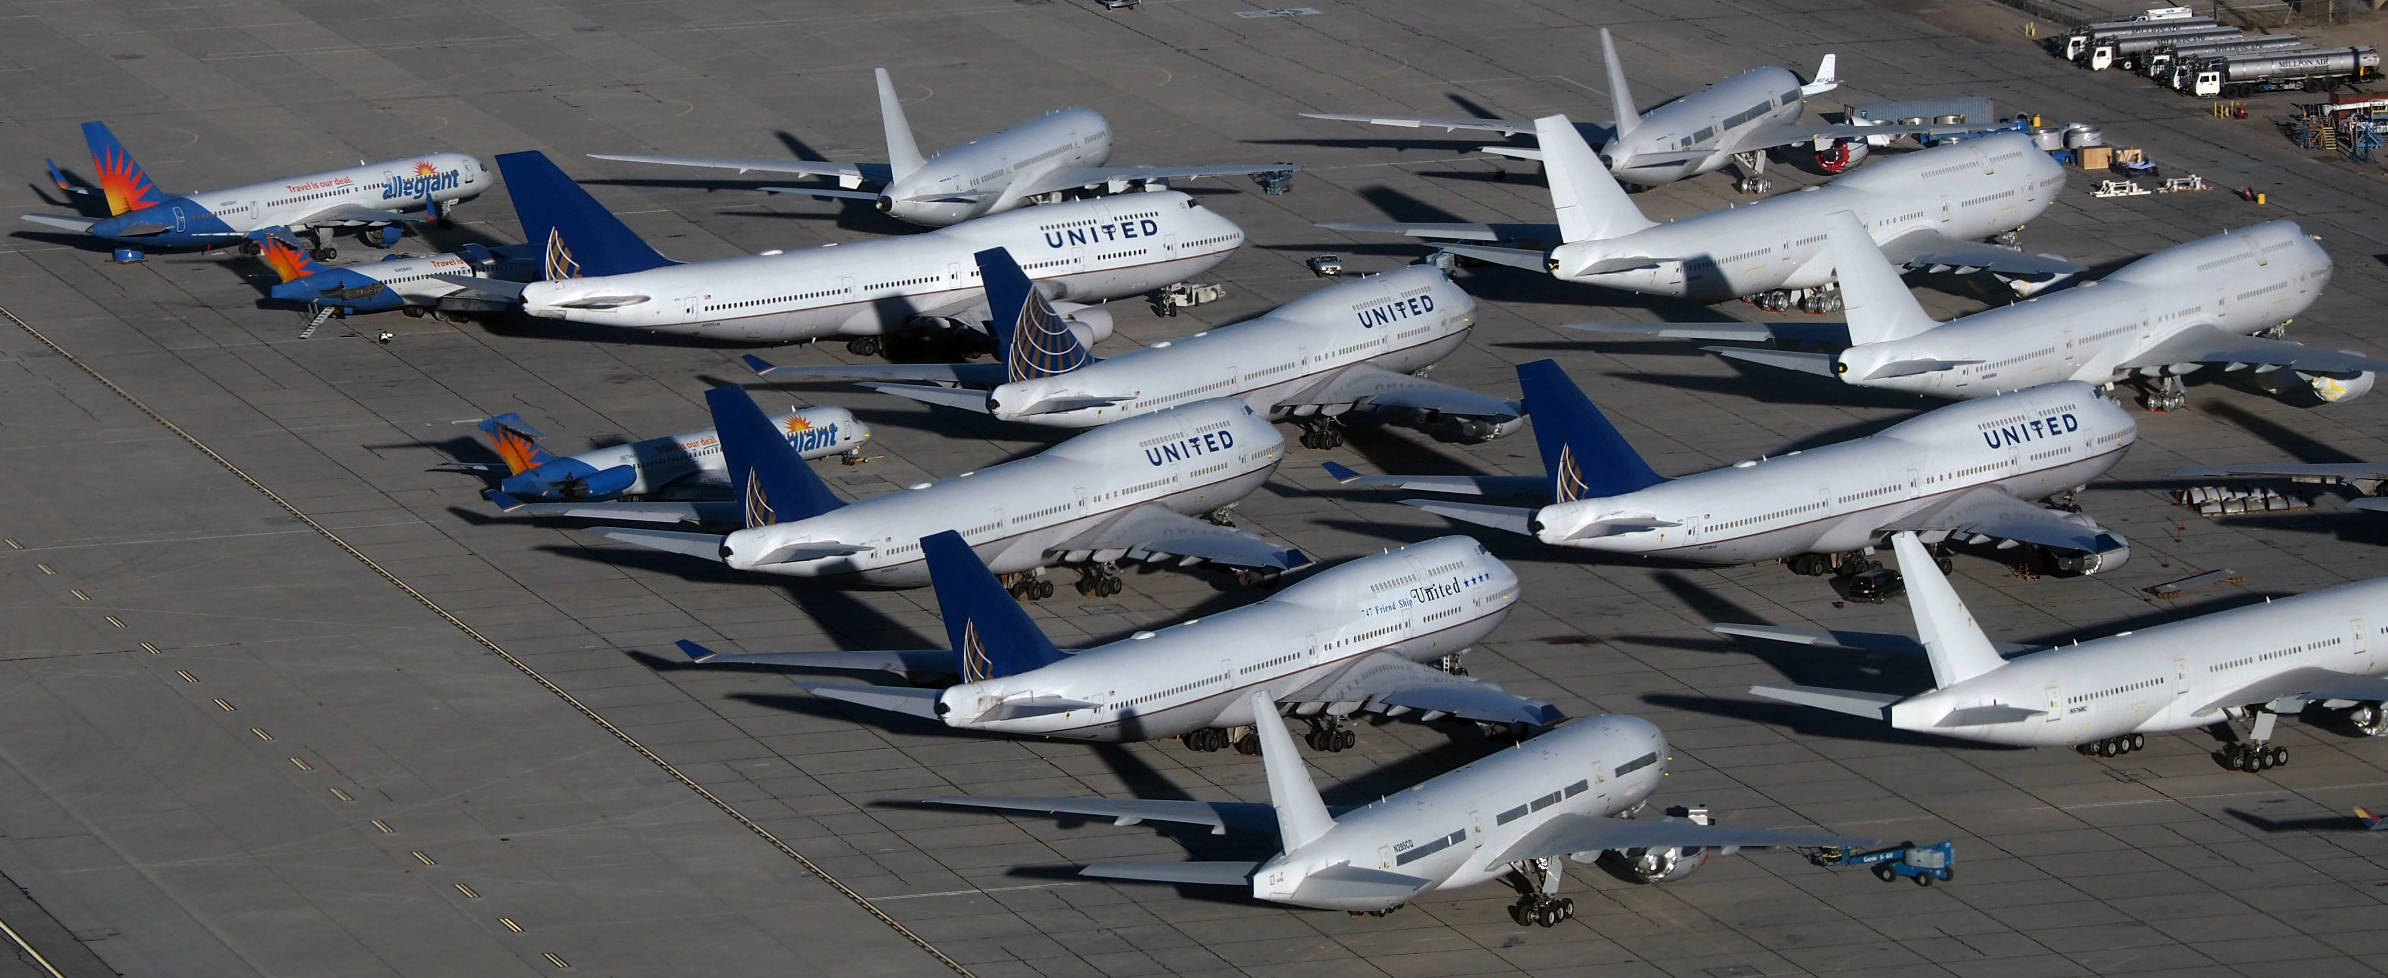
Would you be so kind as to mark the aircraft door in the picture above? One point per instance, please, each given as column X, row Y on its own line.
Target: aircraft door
column 2180, row 675
column 1915, row 481
column 2362, row 646
column 845, row 286
column 2056, row 704
column 953, row 272
column 178, row 218
column 1080, row 493
column 1948, row 209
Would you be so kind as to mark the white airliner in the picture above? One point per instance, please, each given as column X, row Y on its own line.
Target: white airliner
column 1509, row 816
column 1084, row 251
column 1340, row 641
column 1061, row 152
column 2159, row 318
column 1928, row 209
column 1733, row 122
column 368, row 194
column 1967, row 471
column 2249, row 664
column 687, row 462
column 1121, row 490
column 1352, row 346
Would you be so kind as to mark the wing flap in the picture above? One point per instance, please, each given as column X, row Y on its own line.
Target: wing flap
column 981, row 375
column 1453, row 231
column 1723, row 330
column 1376, row 388
column 2304, row 684
column 1149, row 532
column 1993, row 513
column 1382, row 681
column 2209, row 344
column 1923, row 249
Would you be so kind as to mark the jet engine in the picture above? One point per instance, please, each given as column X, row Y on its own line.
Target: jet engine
column 1841, row 154
column 1660, row 865
column 2085, row 563
column 2335, row 389
column 1092, row 323
column 2368, row 718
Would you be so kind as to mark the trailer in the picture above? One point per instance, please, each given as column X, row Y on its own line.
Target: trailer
column 2126, row 52
column 2322, row 70
column 2078, row 43
column 2158, row 63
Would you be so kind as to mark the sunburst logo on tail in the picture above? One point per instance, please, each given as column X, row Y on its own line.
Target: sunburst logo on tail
column 758, row 503
column 1568, row 482
column 517, row 449
column 127, row 186
column 975, row 665
column 559, row 264
column 286, row 259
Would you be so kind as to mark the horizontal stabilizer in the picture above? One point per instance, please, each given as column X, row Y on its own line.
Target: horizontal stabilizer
column 823, row 193
column 1510, row 518
column 952, row 397
column 980, row 375
column 1355, row 886
column 1872, row 706
column 1455, row 231
column 1911, row 368
column 1211, row 873
column 801, row 551
column 2376, row 504
column 875, row 173
column 1444, row 123
column 1972, row 716
column 1513, row 152
column 1817, row 637
column 499, row 288
column 894, row 699
column 76, row 224
column 1456, row 485
column 1722, row 330
column 1820, row 364
column 906, row 662
column 689, row 513
column 1043, row 706
column 1221, row 816
column 1620, row 525
column 706, row 545
column 1065, row 403
column 1535, row 261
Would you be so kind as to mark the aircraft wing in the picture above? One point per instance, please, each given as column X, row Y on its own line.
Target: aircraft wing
column 1798, row 134
column 348, row 214
column 1934, row 250
column 2209, row 344
column 1724, row 330
column 1456, row 485
column 1463, row 231
column 867, row 172
column 1382, row 681
column 978, row 375
column 1221, row 817
column 2374, row 504
column 1818, row 637
column 905, row 662
column 1376, row 388
column 1989, row 512
column 1596, row 133
column 2372, row 472
column 1151, row 532
column 1071, row 177
column 683, row 512
column 2303, row 684
column 1596, row 833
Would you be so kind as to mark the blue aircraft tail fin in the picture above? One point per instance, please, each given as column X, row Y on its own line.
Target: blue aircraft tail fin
column 1030, row 335
column 581, row 237
column 127, row 185
column 774, row 485
column 517, row 443
column 992, row 635
column 1582, row 452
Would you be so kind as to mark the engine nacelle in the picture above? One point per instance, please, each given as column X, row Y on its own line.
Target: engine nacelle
column 2335, row 389
column 1841, row 155
column 1660, row 865
column 2084, row 563
column 1091, row 323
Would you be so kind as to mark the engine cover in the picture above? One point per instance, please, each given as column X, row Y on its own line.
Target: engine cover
column 2335, row 389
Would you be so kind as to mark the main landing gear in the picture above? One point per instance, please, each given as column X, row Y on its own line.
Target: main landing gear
column 1028, row 586
column 2253, row 751
column 1099, row 581
column 1538, row 904
column 1321, row 432
column 2112, row 746
column 1329, row 735
column 2164, row 393
column 1209, row 739
column 865, row 346
column 1753, row 172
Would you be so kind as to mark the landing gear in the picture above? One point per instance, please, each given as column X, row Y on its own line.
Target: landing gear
column 1753, row 172
column 317, row 249
column 1538, row 880
column 1451, row 664
column 2254, row 751
column 865, row 346
column 2112, row 746
column 1257, row 577
column 2164, row 393
column 2276, row 331
column 1099, row 581
column 1028, row 586
column 412, row 312
column 2009, row 238
column 1329, row 735
column 1223, row 516
column 1206, row 740
column 1321, row 432
column 1248, row 744
column 1844, row 565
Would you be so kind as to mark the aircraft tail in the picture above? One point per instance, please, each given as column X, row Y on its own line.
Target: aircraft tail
column 121, row 178
column 992, row 635
column 1301, row 814
column 1029, row 334
column 903, row 155
column 1879, row 306
column 1825, row 79
column 1582, row 453
column 1955, row 644
column 289, row 261
column 517, row 443
column 2371, row 820
column 580, row 236
column 1620, row 98
column 773, row 483
column 1592, row 205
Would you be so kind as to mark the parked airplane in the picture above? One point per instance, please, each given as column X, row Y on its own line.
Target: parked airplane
column 1733, row 122
column 1342, row 640
column 2104, row 696
column 1965, row 471
column 2153, row 321
column 1122, row 490
column 1062, row 152
column 1352, row 346
column 140, row 216
column 1929, row 209
column 1508, row 816
column 599, row 272
column 2366, row 478
column 412, row 284
column 689, row 463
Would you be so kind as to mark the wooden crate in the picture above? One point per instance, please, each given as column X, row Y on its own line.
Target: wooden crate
column 2097, row 157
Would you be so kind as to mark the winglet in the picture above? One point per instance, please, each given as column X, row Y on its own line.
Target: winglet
column 1340, row 472
column 1879, row 306
column 903, row 154
column 1620, row 99
column 772, row 480
column 760, row 366
column 126, row 185
column 992, row 635
column 580, row 236
column 695, row 652
column 517, row 443
column 1591, row 204
column 1582, row 453
column 1029, row 334
column 1301, row 814
column 1825, row 80
column 2371, row 821
column 1955, row 644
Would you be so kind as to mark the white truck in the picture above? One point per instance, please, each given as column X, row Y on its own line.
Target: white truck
column 2318, row 70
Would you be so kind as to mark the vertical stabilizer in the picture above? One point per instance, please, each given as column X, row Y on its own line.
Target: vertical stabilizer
column 1877, row 302
column 289, row 261
column 517, row 443
column 1301, row 814
column 1620, row 99
column 992, row 635
column 1955, row 644
column 1582, row 453
column 1030, row 335
column 1592, row 206
column 1825, row 81
column 772, row 481
column 121, row 178
column 580, row 236
column 903, row 155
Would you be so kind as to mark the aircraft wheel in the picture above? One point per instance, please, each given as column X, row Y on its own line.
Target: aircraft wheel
column 2279, row 757
column 1547, row 917
column 2106, row 747
column 1044, row 588
column 1344, row 739
column 1248, row 744
column 864, row 346
column 412, row 312
column 1521, row 913
column 251, row 249
column 2138, row 741
column 326, row 253
column 1943, row 562
column 1566, row 908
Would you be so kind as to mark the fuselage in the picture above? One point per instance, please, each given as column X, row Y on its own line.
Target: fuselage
column 695, row 456
column 1419, row 602
column 1703, row 120
column 2164, row 678
column 2239, row 282
column 1193, row 459
column 977, row 178
column 1966, row 190
column 219, row 217
column 1085, row 250
column 1451, row 828
column 2029, row 443
column 1400, row 321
